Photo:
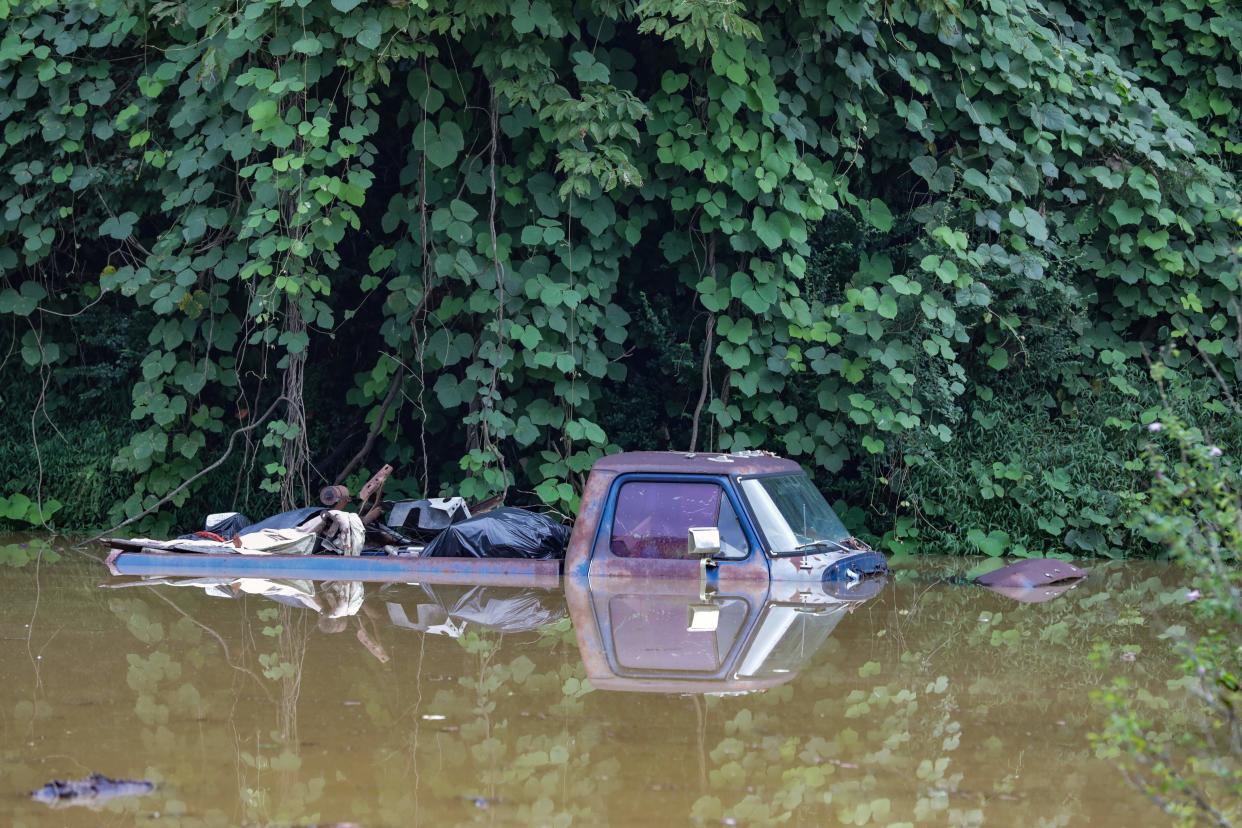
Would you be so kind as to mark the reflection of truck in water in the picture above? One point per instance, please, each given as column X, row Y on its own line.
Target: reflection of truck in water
column 659, row 637
column 719, row 518
column 643, row 635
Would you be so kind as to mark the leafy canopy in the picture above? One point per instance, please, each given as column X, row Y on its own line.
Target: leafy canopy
column 468, row 204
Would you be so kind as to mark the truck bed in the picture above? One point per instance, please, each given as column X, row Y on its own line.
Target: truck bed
column 128, row 558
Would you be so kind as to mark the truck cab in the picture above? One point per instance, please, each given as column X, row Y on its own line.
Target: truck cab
column 745, row 516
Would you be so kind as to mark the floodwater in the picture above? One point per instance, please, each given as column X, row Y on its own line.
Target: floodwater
column 922, row 701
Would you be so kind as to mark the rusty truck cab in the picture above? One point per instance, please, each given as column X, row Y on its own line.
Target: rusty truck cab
column 765, row 519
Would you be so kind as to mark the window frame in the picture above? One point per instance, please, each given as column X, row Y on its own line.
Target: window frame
column 725, row 482
column 754, row 521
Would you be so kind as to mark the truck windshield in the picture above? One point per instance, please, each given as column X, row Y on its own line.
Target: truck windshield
column 793, row 514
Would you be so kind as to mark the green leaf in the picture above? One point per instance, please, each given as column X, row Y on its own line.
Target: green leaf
column 15, row 507
column 119, row 227
column 523, row 24
column 448, row 143
column 463, row 211
column 263, row 112
column 587, row 69
column 887, row 307
column 308, row 45
column 925, row 166
column 593, row 433
column 526, row 432
column 548, row 492
column 772, row 230
column 530, row 337
column 993, row 544
column 1153, row 241
column 24, row 300
column 672, row 82
column 975, row 178
column 448, row 391
column 369, row 35
column 1124, row 213
column 1035, row 224
column 740, row 332
column 736, row 358
column 195, row 227
column 877, row 214
column 999, row 360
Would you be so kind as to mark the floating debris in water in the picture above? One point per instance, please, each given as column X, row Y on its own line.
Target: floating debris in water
column 92, row 791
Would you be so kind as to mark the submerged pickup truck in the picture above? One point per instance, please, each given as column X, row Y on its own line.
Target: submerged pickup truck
column 721, row 518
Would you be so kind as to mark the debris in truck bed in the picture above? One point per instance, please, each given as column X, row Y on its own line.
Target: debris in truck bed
column 507, row 532
column 297, row 532
column 424, row 519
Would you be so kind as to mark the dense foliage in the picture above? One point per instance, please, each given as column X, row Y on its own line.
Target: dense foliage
column 1183, row 748
column 489, row 241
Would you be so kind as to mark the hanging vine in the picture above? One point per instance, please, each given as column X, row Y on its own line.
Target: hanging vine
column 461, row 207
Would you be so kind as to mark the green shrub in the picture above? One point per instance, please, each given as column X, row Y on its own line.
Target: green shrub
column 470, row 209
column 1183, row 747
column 1030, row 475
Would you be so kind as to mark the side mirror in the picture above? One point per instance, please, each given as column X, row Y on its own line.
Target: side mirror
column 703, row 542
column 702, row 617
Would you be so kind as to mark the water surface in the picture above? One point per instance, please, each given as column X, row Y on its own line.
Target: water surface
column 931, row 702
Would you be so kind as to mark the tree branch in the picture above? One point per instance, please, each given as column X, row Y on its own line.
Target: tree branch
column 186, row 484
column 393, row 389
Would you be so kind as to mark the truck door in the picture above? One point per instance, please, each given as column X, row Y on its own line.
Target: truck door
column 646, row 520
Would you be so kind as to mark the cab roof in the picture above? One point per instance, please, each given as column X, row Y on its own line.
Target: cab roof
column 683, row 462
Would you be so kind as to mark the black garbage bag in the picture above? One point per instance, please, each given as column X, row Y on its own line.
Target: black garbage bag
column 503, row 533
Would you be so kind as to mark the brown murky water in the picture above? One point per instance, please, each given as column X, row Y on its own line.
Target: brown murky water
column 295, row 703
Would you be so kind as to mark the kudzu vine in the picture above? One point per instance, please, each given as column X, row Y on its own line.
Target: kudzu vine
column 463, row 197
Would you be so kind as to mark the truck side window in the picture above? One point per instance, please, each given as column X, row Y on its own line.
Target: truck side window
column 652, row 518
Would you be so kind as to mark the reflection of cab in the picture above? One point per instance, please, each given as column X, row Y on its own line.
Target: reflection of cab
column 660, row 636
